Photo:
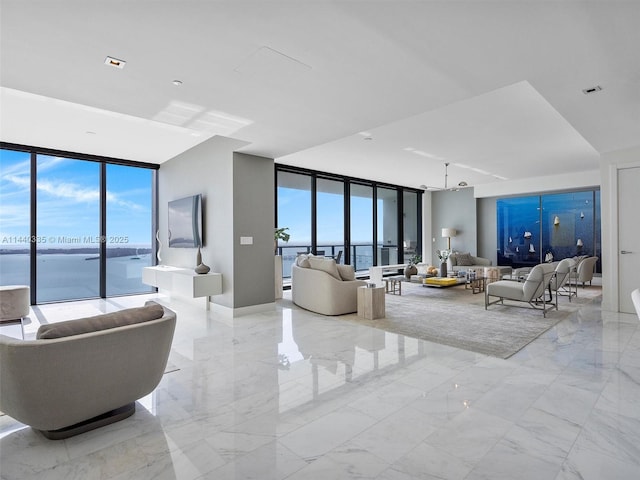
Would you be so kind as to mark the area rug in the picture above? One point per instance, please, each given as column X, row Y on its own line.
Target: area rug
column 456, row 317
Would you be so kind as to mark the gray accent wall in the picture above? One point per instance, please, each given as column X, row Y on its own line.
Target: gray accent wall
column 238, row 201
column 253, row 214
column 487, row 229
column 454, row 210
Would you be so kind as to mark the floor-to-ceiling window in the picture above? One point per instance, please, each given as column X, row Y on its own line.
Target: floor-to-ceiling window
column 68, row 218
column 294, row 213
column 129, row 228
column 15, row 225
column 74, row 226
column 330, row 217
column 361, row 226
column 359, row 220
column 387, row 222
column 410, row 225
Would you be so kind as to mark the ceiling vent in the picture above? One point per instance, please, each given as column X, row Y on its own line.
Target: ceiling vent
column 589, row 91
column 114, row 62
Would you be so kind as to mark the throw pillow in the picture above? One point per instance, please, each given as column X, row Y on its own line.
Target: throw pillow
column 129, row 316
column 302, row 260
column 346, row 272
column 327, row 265
column 464, row 260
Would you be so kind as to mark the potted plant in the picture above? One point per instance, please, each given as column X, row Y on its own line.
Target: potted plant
column 280, row 234
column 411, row 269
column 443, row 256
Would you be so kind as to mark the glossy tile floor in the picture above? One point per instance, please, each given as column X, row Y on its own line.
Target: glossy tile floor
column 288, row 394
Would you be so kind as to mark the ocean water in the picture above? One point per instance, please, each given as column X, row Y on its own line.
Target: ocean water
column 70, row 276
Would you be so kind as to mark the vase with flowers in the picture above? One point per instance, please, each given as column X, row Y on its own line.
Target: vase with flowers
column 411, row 268
column 443, row 256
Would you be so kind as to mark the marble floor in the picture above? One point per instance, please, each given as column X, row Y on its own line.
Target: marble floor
column 287, row 394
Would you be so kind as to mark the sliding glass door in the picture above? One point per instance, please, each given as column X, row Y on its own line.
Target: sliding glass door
column 129, row 228
column 387, row 208
column 361, row 225
column 68, row 227
column 330, row 217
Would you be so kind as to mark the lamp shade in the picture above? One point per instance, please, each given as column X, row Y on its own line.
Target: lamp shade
column 579, row 243
column 449, row 232
column 556, row 221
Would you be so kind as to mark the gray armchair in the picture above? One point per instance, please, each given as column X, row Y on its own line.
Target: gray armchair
column 83, row 374
column 531, row 291
column 585, row 270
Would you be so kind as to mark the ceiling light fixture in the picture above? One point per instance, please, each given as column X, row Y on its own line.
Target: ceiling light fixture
column 114, row 62
column 177, row 83
column 460, row 185
column 589, row 91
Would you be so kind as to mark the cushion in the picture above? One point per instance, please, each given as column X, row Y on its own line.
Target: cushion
column 440, row 281
column 346, row 272
column 129, row 316
column 464, row 260
column 327, row 265
column 302, row 260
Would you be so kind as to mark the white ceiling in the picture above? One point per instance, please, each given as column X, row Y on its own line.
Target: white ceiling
column 490, row 86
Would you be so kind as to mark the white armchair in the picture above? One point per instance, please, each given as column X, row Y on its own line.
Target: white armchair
column 560, row 282
column 635, row 297
column 531, row 291
column 585, row 270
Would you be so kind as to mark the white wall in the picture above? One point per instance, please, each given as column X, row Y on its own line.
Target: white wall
column 543, row 183
column 610, row 163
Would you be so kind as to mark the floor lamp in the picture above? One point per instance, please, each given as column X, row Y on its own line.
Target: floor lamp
column 448, row 233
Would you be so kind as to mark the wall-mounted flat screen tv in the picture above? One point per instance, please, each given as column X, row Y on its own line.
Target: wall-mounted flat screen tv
column 185, row 222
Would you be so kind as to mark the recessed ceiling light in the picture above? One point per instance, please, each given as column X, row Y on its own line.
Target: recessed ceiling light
column 588, row 91
column 177, row 83
column 89, row 132
column 368, row 138
column 114, row 62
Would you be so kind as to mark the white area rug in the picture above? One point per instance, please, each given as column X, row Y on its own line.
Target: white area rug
column 456, row 317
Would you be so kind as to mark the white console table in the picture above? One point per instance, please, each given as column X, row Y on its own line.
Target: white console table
column 183, row 281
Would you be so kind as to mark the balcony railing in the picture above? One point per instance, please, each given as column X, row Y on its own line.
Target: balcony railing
column 361, row 255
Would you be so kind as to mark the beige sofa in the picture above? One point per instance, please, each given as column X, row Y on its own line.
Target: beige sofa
column 82, row 374
column 462, row 262
column 465, row 261
column 319, row 285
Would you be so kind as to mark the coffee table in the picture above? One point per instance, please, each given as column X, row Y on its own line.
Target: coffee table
column 444, row 282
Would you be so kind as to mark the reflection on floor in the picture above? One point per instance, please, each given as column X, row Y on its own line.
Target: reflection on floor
column 288, row 394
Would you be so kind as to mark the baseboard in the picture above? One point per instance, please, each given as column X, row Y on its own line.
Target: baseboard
column 241, row 311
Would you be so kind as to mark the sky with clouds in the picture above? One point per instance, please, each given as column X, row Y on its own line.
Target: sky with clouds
column 68, row 201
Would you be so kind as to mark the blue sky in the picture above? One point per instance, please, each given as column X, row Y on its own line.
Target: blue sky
column 294, row 212
column 68, row 201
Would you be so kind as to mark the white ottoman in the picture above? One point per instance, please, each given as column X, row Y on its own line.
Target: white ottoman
column 14, row 302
